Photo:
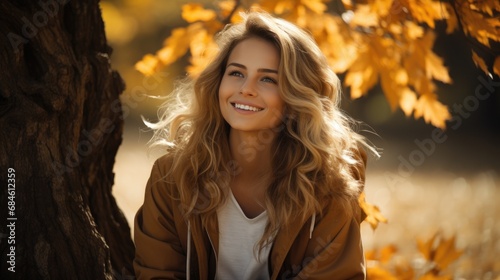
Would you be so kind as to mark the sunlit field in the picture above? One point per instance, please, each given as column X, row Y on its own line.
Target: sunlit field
column 427, row 203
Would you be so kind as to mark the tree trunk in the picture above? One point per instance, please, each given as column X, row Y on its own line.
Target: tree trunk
column 60, row 128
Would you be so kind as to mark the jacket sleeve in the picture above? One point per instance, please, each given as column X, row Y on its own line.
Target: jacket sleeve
column 159, row 253
column 335, row 250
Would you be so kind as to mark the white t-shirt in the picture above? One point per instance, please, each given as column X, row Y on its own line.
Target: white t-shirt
column 237, row 238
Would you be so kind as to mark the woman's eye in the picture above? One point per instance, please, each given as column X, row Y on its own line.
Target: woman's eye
column 269, row 80
column 236, row 74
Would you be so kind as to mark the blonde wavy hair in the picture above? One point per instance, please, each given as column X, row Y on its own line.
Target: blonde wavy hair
column 316, row 150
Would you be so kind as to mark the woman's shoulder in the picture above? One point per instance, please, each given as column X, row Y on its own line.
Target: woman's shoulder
column 161, row 179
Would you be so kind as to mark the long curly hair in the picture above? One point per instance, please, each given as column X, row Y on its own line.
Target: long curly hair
column 315, row 153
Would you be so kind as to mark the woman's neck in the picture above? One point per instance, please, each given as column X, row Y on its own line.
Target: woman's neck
column 253, row 152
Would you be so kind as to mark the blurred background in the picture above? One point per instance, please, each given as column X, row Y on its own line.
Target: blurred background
column 426, row 182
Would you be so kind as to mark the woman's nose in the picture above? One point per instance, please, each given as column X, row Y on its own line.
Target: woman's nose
column 248, row 88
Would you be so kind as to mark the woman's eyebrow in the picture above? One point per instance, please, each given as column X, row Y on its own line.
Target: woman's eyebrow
column 266, row 70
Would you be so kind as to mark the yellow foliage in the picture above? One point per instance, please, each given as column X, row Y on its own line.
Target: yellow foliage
column 479, row 62
column 373, row 215
column 438, row 253
column 374, row 41
column 439, row 250
column 496, row 66
column 196, row 12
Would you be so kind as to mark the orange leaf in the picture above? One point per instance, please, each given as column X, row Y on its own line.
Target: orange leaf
column 451, row 20
column 407, row 100
column 148, row 65
column 176, row 45
column 413, row 30
column 196, row 12
column 480, row 63
column 379, row 273
column 439, row 250
column 496, row 66
column 434, row 68
column 373, row 215
column 446, row 253
column 317, row 6
column 426, row 247
column 362, row 75
column 426, row 11
column 387, row 253
column 430, row 276
column 179, row 42
column 364, row 16
column 432, row 110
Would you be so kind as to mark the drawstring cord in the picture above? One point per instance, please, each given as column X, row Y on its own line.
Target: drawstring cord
column 311, row 229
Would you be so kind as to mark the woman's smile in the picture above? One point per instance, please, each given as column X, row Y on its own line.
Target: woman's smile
column 246, row 107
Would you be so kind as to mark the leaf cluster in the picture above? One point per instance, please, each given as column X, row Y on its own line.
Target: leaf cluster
column 386, row 42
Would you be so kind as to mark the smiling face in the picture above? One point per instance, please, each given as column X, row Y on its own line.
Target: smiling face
column 249, row 95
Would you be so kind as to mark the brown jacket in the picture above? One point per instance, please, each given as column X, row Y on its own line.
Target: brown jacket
column 329, row 249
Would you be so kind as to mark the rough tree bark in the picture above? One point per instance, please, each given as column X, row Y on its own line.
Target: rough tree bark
column 60, row 127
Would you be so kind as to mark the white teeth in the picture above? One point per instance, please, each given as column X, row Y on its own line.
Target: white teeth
column 246, row 107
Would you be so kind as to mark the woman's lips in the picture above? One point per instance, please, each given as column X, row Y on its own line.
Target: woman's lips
column 246, row 107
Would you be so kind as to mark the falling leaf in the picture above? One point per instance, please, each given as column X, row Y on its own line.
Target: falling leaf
column 373, row 215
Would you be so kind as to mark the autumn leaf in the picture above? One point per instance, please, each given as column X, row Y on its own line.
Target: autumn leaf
column 439, row 250
column 317, row 6
column 413, row 31
column 435, row 69
column 175, row 46
column 426, row 247
column 387, row 252
column 378, row 273
column 451, row 19
column 364, row 16
column 407, row 100
column 480, row 63
column 430, row 276
column 446, row 253
column 479, row 25
column 373, row 215
column 427, row 11
column 496, row 66
column 148, row 65
column 361, row 76
column 380, row 41
column 433, row 111
column 196, row 12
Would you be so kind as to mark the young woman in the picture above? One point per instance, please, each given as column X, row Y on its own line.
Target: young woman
column 262, row 169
